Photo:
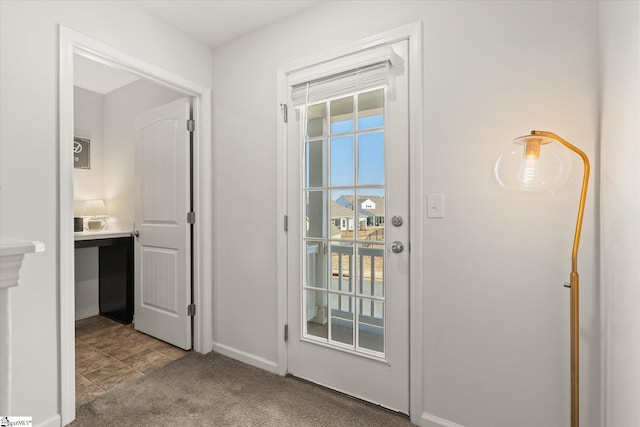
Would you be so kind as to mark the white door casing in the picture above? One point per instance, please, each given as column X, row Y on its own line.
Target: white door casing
column 379, row 377
column 163, row 245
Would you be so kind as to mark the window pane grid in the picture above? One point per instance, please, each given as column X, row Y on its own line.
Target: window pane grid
column 344, row 293
column 353, row 292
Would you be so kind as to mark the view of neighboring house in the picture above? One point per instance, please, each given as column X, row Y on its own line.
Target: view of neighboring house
column 371, row 207
column 342, row 216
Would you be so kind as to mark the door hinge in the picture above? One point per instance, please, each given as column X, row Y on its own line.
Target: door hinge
column 191, row 217
column 285, row 112
column 191, row 310
column 191, row 125
column 286, row 223
column 286, row 333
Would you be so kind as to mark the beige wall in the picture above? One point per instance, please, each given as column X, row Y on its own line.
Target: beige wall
column 88, row 111
column 620, row 210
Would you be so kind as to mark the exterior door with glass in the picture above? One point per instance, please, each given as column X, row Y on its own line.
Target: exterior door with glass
column 347, row 244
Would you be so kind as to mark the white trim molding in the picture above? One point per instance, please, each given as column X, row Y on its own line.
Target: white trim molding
column 429, row 420
column 413, row 33
column 72, row 42
column 12, row 255
column 248, row 358
column 54, row 421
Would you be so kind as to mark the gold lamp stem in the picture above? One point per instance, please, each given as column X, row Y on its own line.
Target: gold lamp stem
column 574, row 282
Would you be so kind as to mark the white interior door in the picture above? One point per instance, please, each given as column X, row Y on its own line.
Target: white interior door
column 348, row 277
column 163, row 245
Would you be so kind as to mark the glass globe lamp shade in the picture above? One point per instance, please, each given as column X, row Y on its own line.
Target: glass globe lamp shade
column 533, row 163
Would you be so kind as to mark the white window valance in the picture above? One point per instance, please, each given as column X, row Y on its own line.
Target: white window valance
column 342, row 76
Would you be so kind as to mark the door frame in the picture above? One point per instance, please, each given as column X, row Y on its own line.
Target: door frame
column 413, row 33
column 70, row 43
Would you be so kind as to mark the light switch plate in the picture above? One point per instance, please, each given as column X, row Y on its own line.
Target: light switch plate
column 435, row 205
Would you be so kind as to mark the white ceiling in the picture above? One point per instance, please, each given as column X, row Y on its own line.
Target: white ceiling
column 215, row 22
column 212, row 22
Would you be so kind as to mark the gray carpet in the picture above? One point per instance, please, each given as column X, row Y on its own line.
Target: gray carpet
column 214, row 390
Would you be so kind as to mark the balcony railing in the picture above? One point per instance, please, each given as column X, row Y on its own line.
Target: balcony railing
column 370, row 281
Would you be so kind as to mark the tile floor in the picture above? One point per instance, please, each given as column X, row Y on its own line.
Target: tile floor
column 109, row 354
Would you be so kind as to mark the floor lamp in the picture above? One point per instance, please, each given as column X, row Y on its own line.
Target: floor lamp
column 538, row 162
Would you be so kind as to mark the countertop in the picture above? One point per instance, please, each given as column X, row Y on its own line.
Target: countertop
column 102, row 234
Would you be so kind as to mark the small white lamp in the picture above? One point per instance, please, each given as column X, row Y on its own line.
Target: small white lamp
column 94, row 209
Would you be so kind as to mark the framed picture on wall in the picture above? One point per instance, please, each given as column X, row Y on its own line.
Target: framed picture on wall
column 81, row 153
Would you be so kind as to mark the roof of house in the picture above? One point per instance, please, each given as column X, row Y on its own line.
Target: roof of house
column 339, row 211
column 378, row 200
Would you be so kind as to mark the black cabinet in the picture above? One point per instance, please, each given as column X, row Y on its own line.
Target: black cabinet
column 115, row 276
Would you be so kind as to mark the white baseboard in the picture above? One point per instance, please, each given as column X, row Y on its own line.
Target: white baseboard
column 50, row 422
column 248, row 358
column 429, row 420
column 87, row 312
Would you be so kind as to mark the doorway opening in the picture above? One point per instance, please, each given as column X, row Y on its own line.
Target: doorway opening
column 110, row 159
column 72, row 46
